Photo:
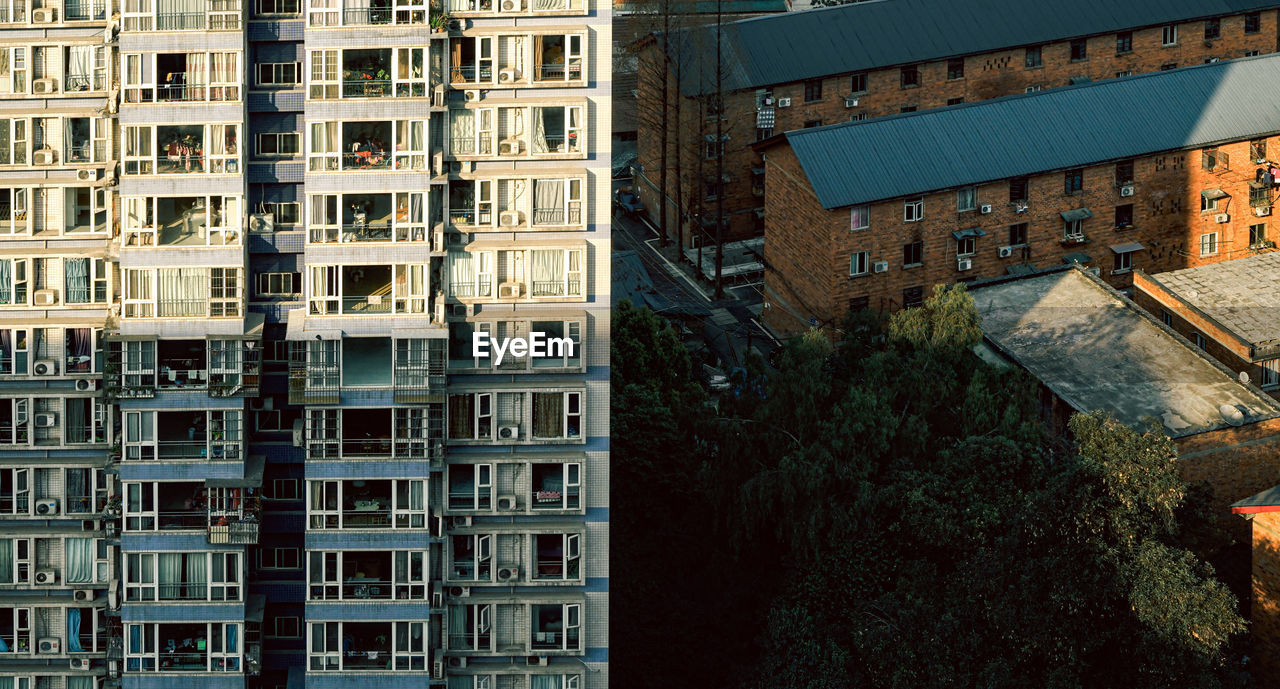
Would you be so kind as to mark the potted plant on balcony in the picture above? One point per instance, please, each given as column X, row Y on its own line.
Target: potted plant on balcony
column 112, row 508
column 439, row 20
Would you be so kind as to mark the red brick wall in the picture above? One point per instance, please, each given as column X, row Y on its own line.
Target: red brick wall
column 1167, row 221
column 1264, row 615
column 1236, row 463
column 987, row 76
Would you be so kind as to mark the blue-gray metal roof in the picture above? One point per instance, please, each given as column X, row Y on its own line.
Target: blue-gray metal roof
column 1058, row 129
column 777, row 49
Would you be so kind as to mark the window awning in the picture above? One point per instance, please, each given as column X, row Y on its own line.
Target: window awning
column 971, row 232
column 1214, row 194
column 1127, row 248
column 1077, row 214
column 1077, row 257
column 765, row 118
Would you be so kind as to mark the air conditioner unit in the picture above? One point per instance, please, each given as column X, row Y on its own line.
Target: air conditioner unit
column 506, row 76
column 47, row 507
column 46, row 420
column 45, row 367
column 44, row 15
column 1221, row 218
column 510, row 218
column 510, row 147
column 83, row 595
column 46, row 576
column 850, row 101
column 460, row 522
column 964, row 263
column 91, row 525
column 537, row 661
column 437, row 669
column 512, row 5
column 1262, row 211
column 87, row 175
column 508, row 573
column 46, row 85
column 880, row 266
column 509, row 433
column 45, row 297
column 262, row 222
column 984, row 208
column 784, row 102
column 457, row 662
column 437, row 598
column 85, row 385
column 460, row 591
column 299, row 433
column 507, row 502
column 1006, row 251
column 79, row 663
column 509, row 290
column 471, row 95
column 464, row 167
column 44, row 156
column 49, row 645
column 1126, row 190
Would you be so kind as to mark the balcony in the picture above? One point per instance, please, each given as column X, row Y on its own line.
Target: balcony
column 214, row 15
column 465, row 564
column 183, row 364
column 370, row 290
column 228, row 515
column 346, row 218
column 372, row 433
column 555, row 628
column 367, row 74
column 84, row 10
column 367, row 504
column 182, row 647
column 183, row 221
column 369, row 146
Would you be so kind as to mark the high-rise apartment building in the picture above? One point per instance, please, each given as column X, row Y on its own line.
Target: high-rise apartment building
column 244, row 438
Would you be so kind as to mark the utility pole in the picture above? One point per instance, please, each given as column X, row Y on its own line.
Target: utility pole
column 719, row 148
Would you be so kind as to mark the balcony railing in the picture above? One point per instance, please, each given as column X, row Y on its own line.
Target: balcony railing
column 556, row 288
column 79, row 82
column 184, row 520
column 468, row 289
column 548, row 640
column 462, row 146
column 558, row 72
column 234, row 533
column 468, row 74
column 80, row 11
column 9, row 505
column 372, row 518
column 366, row 447
column 366, row 88
column 470, row 642
column 367, row 16
column 552, row 499
column 373, row 303
column 557, row 216
column 367, row 589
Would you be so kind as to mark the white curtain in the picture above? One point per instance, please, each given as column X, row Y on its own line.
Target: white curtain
column 79, row 683
column 197, row 564
column 548, row 201
column 197, row 64
column 548, row 265
column 458, row 627
column 6, row 273
column 462, row 128
column 79, row 560
column 539, row 132
column 79, row 66
column 170, row 575
column 183, row 291
column 77, row 280
column 545, row 681
column 462, row 268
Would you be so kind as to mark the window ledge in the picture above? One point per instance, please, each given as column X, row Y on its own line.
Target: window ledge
column 909, row 266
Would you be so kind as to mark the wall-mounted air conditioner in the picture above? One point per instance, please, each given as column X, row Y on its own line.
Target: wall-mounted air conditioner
column 509, row 433
column 45, row 367
column 44, row 86
column 510, row 218
column 509, row 290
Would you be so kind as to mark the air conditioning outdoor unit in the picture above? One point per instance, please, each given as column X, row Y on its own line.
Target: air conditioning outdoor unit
column 1006, row 251
column 850, row 101
column 510, row 147
column 506, row 503
column 964, row 263
column 45, row 367
column 47, row 507
column 44, row 156
column 510, row 218
column 457, row 662
column 87, row 175
column 508, row 573
column 49, row 645
column 83, row 595
column 784, row 102
column 44, row 15
column 460, row 522
column 46, row 420
column 509, row 433
column 45, row 297
column 79, row 663
column 506, row 76
column 1262, row 211
column 984, row 208
column 471, row 95
column 1126, row 190
column 47, row 576
column 509, row 290
column 512, row 5
column 537, row 661
column 85, row 385
column 880, row 266
column 1221, row 218
column 262, row 222
column 299, row 433
column 460, row 591
column 437, row 669
column 46, row 85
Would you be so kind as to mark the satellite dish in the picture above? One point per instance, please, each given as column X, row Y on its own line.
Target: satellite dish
column 1244, row 377
column 1232, row 414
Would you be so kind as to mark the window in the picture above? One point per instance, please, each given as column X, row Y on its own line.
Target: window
column 1251, row 53
column 712, row 149
column 1270, row 373
column 1079, row 49
column 812, row 90
column 557, row 415
column 1257, row 234
column 1169, row 35
column 287, row 627
column 1124, row 216
column 912, row 296
column 85, row 280
column 858, row 117
column 910, row 76
column 279, row 558
column 1253, row 22
column 1209, row 200
column 859, row 218
column 858, row 83
column 282, row 145
column 1258, row 150
column 908, row 108
column 966, row 246
column 1073, row 230
column 1126, row 73
column 954, row 101
column 1209, row 244
column 711, row 191
column 1034, row 88
column 1124, row 173
column 275, row 7
column 966, row 199
column 859, row 303
column 912, row 254
column 955, row 68
column 913, row 210
column 279, row 284
column 1201, row 341
column 858, row 262
column 1073, row 181
column 763, row 133
column 810, row 124
column 1212, row 29
column 1018, row 189
column 281, row 489
column 1166, row 318
column 324, row 74
column 1168, row 66
column 1123, row 262
column 1033, row 58
column 1124, row 42
column 1018, row 234
column 289, row 213
column 279, row 73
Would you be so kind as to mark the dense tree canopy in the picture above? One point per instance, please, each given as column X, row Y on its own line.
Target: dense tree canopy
column 890, row 514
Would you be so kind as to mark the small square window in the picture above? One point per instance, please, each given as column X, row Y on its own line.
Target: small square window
column 910, row 76
column 1257, row 234
column 859, row 218
column 1033, row 88
column 858, row 83
column 1073, row 181
column 763, row 133
column 1033, row 58
column 1124, row 173
column 966, row 246
column 966, row 199
column 859, row 263
column 1212, row 29
column 912, row 296
column 1124, row 42
column 859, row 303
column 1018, row 234
column 955, row 68
column 1124, row 216
column 810, row 124
column 1168, row 66
column 1079, row 49
column 1073, row 230
column 907, row 108
column 954, row 101
column 1201, row 341
column 1251, row 53
column 1018, row 189
column 1209, row 244
column 1253, row 22
column 1123, row 262
column 858, row 117
column 1121, row 75
column 812, row 90
column 1169, row 35
column 913, row 210
column 1166, row 318
column 1258, row 150
column 912, row 254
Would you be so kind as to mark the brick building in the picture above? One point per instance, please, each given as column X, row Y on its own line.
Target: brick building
column 1263, row 511
column 1228, row 309
column 1156, row 171
column 872, row 59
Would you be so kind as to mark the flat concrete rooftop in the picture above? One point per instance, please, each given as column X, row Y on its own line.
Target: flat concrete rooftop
column 1239, row 294
column 1097, row 350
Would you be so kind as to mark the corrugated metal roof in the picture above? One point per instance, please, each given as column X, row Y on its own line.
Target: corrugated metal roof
column 1068, row 127
column 776, row 49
